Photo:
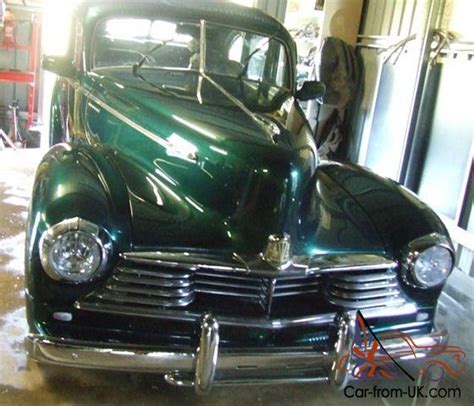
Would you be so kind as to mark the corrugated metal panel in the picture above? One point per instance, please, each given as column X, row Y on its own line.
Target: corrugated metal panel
column 384, row 117
column 451, row 136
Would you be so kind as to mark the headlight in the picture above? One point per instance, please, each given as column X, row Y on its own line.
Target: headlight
column 73, row 251
column 428, row 262
column 433, row 266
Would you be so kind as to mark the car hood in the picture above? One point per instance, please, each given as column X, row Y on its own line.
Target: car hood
column 201, row 176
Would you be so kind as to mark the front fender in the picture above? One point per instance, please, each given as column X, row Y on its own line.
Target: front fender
column 73, row 181
column 397, row 214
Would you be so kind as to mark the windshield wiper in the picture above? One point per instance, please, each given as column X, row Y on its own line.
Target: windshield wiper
column 161, row 89
column 136, row 66
column 140, row 63
column 247, row 60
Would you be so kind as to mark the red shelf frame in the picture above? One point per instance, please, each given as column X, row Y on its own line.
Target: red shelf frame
column 28, row 78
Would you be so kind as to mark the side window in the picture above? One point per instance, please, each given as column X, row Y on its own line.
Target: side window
column 264, row 57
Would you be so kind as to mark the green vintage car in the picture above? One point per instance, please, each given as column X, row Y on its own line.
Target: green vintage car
column 183, row 224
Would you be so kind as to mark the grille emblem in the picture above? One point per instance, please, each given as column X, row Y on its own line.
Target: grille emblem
column 278, row 251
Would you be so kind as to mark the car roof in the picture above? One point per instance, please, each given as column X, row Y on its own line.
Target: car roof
column 213, row 11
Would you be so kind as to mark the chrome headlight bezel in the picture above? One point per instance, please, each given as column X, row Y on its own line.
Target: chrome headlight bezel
column 413, row 252
column 73, row 225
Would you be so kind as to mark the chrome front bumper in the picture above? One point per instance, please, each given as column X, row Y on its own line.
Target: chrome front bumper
column 208, row 365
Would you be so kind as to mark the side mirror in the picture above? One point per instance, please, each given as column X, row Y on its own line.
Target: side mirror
column 59, row 65
column 310, row 90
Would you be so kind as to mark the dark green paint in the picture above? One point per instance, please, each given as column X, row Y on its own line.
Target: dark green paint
column 242, row 187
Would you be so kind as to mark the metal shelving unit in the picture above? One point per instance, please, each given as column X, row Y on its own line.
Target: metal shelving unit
column 29, row 77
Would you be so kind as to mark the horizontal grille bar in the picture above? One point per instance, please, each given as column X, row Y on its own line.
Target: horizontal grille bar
column 368, row 277
column 225, row 275
column 228, row 292
column 305, row 291
column 165, row 282
column 360, row 295
column 280, row 286
column 395, row 301
column 367, row 285
column 144, row 299
column 158, row 273
column 150, row 292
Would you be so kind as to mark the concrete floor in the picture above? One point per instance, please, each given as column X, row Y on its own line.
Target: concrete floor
column 23, row 382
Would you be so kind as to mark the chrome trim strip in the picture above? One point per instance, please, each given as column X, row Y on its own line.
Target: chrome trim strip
column 147, row 133
column 162, row 282
column 299, row 266
column 405, row 309
column 216, row 291
column 364, row 294
column 383, row 303
column 352, row 263
column 266, row 129
column 383, row 284
column 164, row 293
column 158, row 273
column 227, row 284
column 277, row 293
column 184, row 260
column 285, row 284
column 372, row 277
column 227, row 276
column 165, row 302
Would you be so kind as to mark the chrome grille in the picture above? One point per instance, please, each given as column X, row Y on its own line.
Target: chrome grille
column 172, row 288
column 135, row 283
column 227, row 283
column 375, row 288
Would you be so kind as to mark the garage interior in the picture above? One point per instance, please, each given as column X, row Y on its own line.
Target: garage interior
column 409, row 120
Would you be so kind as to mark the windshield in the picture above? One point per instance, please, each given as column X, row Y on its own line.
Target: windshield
column 167, row 56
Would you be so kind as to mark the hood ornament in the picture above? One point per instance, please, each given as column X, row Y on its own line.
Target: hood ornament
column 278, row 251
